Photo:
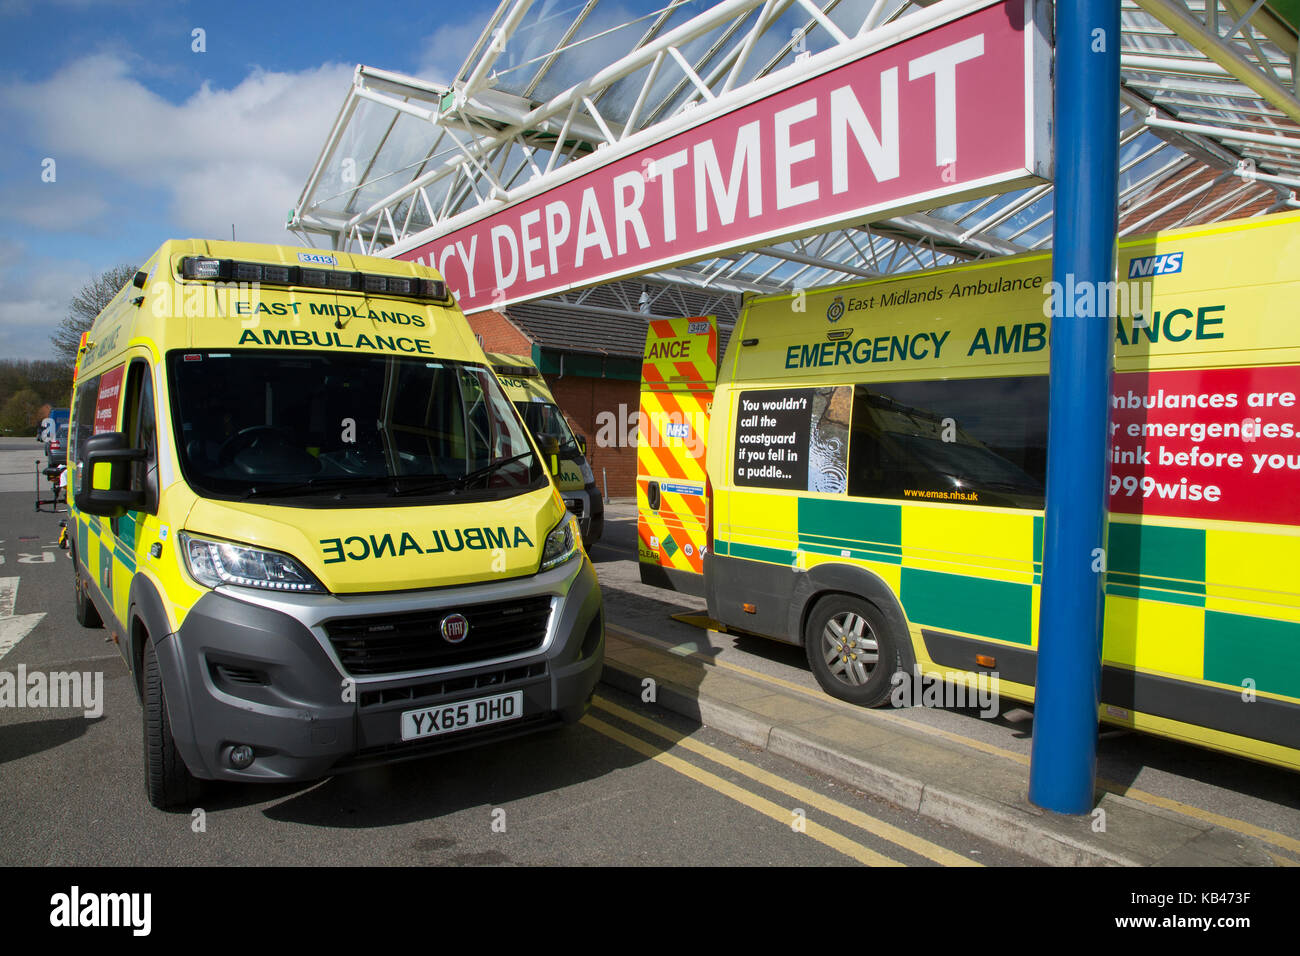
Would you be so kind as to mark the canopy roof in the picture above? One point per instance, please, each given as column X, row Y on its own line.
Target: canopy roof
column 1209, row 127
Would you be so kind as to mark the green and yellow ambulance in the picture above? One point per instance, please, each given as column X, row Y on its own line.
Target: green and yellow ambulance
column 314, row 524
column 527, row 389
column 878, row 460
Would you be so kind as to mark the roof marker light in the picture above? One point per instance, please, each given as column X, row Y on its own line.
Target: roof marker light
column 193, row 267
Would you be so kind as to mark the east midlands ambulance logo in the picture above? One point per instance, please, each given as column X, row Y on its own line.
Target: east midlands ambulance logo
column 835, row 311
column 1162, row 265
column 454, row 628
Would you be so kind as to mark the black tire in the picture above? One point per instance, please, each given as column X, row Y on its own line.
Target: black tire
column 167, row 781
column 851, row 650
column 87, row 614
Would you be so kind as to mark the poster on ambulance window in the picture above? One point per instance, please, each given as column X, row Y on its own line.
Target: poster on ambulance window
column 795, row 439
column 110, row 384
column 1207, row 443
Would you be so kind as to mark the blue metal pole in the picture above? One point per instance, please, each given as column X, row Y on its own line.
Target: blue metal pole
column 1086, row 115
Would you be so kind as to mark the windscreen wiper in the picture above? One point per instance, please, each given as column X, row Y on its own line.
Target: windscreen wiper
column 322, row 483
column 459, row 481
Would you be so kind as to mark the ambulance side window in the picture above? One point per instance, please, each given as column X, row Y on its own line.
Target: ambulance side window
column 83, row 426
column 140, row 425
column 974, row 442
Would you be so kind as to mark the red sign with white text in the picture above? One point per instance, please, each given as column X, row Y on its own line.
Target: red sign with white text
column 945, row 112
column 110, row 383
column 1208, row 443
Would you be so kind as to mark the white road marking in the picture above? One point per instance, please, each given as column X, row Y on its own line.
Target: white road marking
column 13, row 628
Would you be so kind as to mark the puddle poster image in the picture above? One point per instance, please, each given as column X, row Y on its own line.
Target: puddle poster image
column 794, row 439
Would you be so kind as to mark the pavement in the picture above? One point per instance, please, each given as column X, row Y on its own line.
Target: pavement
column 956, row 779
column 20, row 462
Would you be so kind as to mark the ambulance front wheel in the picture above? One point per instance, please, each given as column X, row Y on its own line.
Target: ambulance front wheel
column 851, row 650
column 87, row 615
column 167, row 781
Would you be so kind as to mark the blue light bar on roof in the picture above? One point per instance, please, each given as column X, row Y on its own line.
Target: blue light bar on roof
column 231, row 270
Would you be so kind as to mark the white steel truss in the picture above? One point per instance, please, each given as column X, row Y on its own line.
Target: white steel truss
column 1205, row 83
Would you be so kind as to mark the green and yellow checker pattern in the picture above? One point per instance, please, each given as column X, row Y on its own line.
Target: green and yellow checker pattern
column 1216, row 605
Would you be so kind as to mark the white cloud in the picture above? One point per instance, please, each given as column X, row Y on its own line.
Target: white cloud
column 239, row 155
column 34, row 297
column 445, row 50
column 52, row 207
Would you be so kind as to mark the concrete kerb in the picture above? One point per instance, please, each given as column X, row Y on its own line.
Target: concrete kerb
column 891, row 773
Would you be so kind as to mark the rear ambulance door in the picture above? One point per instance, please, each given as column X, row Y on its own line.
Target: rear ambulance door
column 679, row 369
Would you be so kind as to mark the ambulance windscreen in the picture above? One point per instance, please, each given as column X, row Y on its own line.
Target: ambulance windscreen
column 326, row 429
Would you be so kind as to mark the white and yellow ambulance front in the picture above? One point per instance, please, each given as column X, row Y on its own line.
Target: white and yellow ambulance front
column 339, row 545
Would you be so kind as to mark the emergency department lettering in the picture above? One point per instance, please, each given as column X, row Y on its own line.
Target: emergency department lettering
column 361, row 548
column 943, row 111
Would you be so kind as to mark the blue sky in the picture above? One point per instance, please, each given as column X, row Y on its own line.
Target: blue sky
column 152, row 140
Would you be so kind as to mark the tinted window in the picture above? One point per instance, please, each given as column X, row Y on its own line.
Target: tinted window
column 333, row 427
column 977, row 441
column 543, row 418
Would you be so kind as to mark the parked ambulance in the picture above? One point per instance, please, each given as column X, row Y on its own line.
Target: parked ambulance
column 679, row 367
column 527, row 389
column 878, row 460
column 317, row 529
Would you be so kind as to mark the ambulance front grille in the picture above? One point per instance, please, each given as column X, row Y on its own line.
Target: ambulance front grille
column 395, row 643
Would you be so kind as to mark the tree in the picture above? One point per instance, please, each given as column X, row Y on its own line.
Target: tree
column 50, row 381
column 85, row 305
column 19, row 413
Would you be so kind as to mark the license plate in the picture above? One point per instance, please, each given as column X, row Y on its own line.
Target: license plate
column 462, row 715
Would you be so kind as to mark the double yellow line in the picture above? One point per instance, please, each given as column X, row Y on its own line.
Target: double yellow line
column 1265, row 835
column 807, row 799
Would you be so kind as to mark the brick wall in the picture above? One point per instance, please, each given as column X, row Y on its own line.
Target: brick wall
column 583, row 400
column 499, row 334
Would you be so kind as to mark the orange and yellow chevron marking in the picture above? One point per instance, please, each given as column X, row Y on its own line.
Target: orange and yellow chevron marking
column 678, row 370
column 676, row 531
column 680, row 355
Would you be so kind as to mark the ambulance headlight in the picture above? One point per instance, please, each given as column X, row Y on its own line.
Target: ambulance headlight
column 562, row 543
column 588, row 477
column 212, row 562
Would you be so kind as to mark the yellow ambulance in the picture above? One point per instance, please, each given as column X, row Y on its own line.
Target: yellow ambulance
column 315, row 526
column 679, row 366
column 878, row 460
column 526, row 388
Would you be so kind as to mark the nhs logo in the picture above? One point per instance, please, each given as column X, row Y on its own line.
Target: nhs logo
column 1161, row 265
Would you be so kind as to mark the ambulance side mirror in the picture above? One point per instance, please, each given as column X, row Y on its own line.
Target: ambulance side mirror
column 550, row 446
column 582, row 445
column 104, row 487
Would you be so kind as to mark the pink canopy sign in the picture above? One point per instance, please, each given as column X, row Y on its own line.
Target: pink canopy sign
column 950, row 112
